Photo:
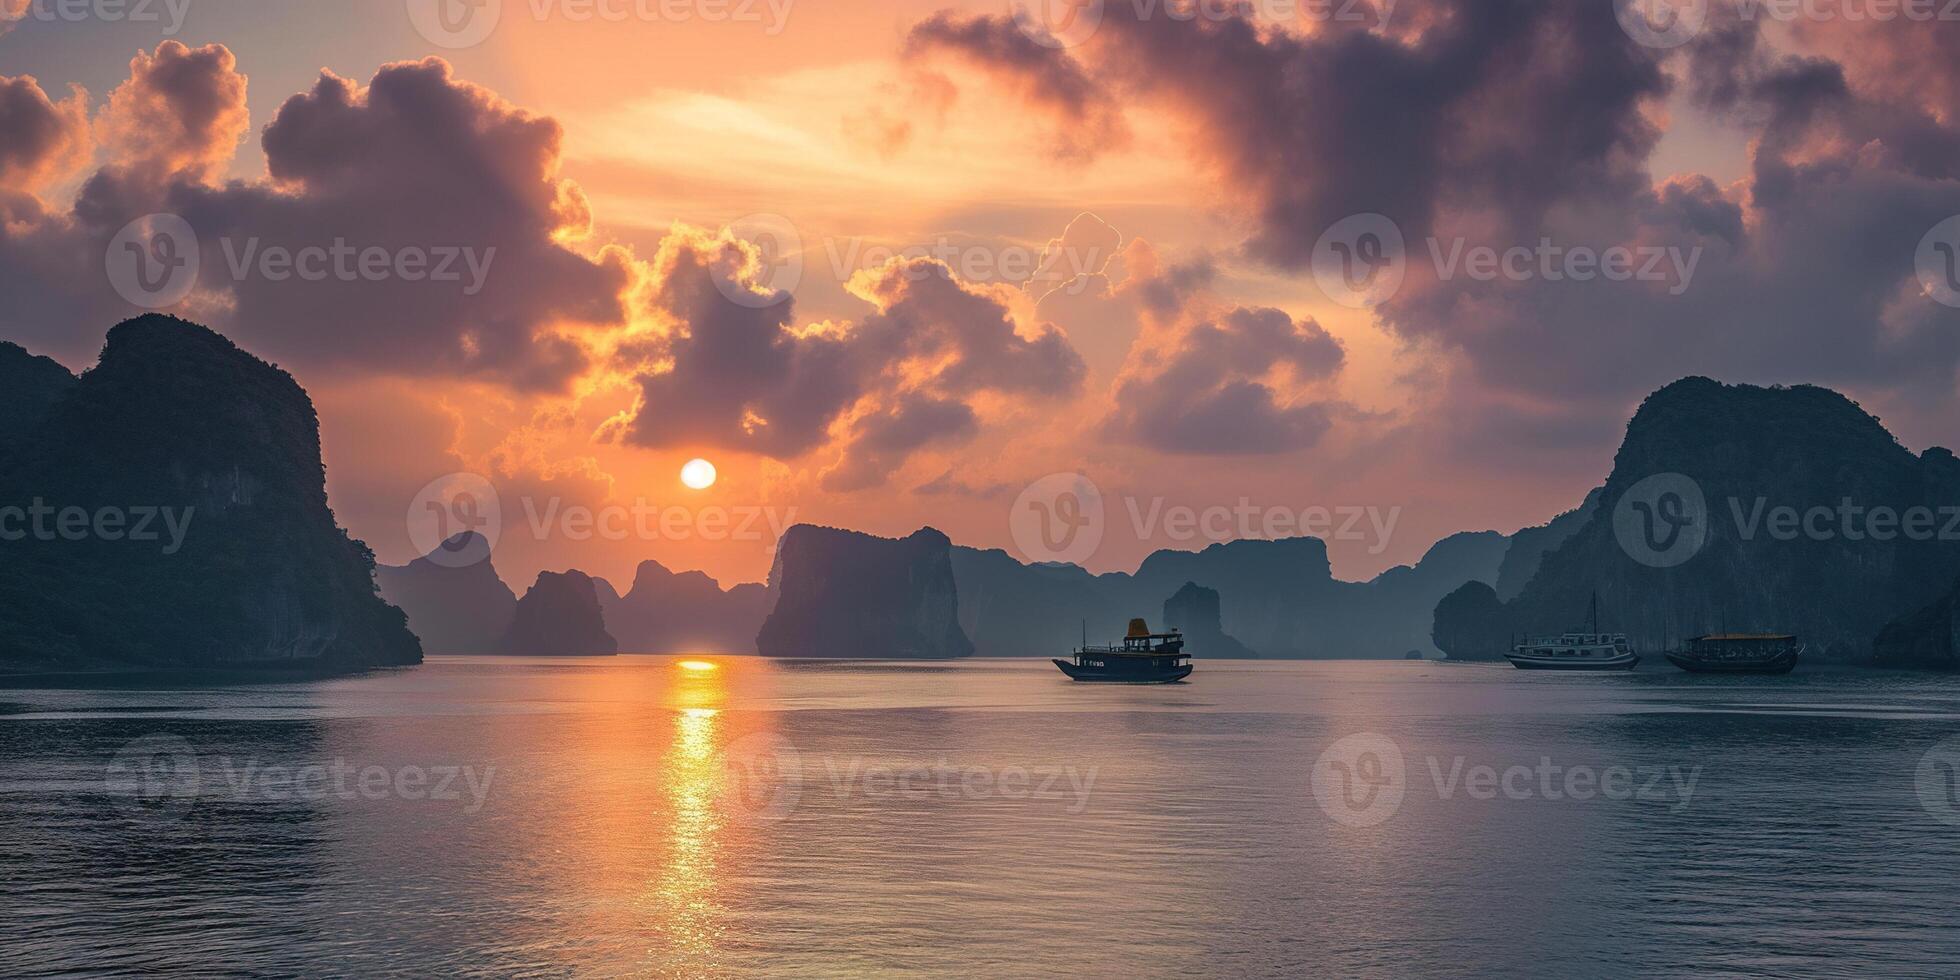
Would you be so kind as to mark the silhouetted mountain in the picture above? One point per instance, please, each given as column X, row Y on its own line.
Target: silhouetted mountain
column 1927, row 638
column 1015, row 610
column 208, row 542
column 683, row 612
column 844, row 594
column 454, row 604
column 1528, row 546
column 29, row 386
column 559, row 617
column 1279, row 599
column 1194, row 611
column 1750, row 453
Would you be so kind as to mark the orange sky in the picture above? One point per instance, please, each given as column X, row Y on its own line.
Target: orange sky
column 807, row 112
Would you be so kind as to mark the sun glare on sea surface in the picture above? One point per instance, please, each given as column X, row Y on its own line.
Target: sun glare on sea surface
column 699, row 665
column 698, row 474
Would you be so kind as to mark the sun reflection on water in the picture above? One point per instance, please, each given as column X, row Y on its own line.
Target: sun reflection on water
column 684, row 900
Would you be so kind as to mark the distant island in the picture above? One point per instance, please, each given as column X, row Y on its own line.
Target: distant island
column 176, row 417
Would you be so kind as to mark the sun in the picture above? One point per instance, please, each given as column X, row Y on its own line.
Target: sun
column 698, row 474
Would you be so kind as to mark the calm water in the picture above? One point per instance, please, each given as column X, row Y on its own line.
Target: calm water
column 631, row 816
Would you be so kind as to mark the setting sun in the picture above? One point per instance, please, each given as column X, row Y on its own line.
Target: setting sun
column 698, row 665
column 698, row 474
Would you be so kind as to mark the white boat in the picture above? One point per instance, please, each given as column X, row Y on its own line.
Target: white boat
column 1577, row 650
column 1574, row 651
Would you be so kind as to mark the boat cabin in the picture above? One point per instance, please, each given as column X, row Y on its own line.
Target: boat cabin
column 1718, row 647
column 1576, row 646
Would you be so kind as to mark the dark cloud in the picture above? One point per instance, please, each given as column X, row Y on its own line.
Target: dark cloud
column 1089, row 119
column 881, row 440
column 1516, row 122
column 39, row 138
column 433, row 209
column 1239, row 385
column 1510, row 105
column 741, row 374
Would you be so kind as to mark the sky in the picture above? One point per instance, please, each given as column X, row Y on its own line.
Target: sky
column 1379, row 272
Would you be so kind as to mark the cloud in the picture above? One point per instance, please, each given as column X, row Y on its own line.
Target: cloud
column 732, row 369
column 40, row 139
column 1510, row 123
column 1238, row 385
column 181, row 114
column 438, row 224
column 1088, row 119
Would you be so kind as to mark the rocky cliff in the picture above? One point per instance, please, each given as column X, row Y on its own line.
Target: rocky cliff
column 844, row 594
column 1194, row 611
column 1279, row 599
column 187, row 523
column 455, row 601
column 683, row 612
column 29, row 387
column 1741, row 508
column 1529, row 546
column 559, row 617
column 1928, row 638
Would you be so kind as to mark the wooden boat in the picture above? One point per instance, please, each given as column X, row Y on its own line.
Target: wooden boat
column 1142, row 657
column 1739, row 653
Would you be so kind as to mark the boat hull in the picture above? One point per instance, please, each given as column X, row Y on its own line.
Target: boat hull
column 1140, row 674
column 1540, row 663
column 1770, row 665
